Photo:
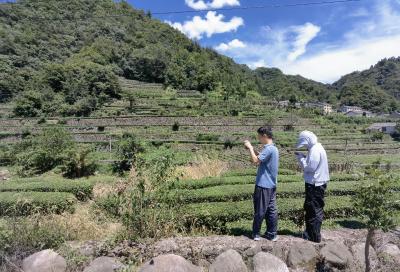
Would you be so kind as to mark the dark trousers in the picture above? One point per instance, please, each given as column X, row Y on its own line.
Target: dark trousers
column 314, row 208
column 265, row 207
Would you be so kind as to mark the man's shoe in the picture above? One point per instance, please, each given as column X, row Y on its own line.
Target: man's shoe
column 256, row 237
column 305, row 236
column 272, row 238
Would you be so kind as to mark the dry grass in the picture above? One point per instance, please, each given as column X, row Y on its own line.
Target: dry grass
column 204, row 167
column 84, row 224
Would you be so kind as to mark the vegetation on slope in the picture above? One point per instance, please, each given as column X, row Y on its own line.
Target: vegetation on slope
column 53, row 62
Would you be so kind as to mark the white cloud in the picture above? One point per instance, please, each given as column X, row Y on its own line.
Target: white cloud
column 213, row 23
column 360, row 12
column 328, row 66
column 214, row 4
column 304, row 34
column 230, row 45
column 367, row 41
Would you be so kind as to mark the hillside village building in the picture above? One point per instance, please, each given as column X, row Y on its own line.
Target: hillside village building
column 324, row 107
column 345, row 109
column 387, row 128
column 355, row 111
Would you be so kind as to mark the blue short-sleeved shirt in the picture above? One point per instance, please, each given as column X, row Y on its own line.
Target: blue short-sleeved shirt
column 267, row 172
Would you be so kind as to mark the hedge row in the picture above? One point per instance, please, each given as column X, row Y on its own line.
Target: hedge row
column 81, row 189
column 26, row 203
column 217, row 214
column 249, row 179
column 245, row 191
column 252, row 171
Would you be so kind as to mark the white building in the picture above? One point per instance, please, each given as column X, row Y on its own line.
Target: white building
column 324, row 107
column 345, row 108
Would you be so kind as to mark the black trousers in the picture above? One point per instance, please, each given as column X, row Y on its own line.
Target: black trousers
column 314, row 208
column 265, row 207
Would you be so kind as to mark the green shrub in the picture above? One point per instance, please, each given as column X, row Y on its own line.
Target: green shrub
column 217, row 214
column 25, row 203
column 78, row 163
column 245, row 191
column 252, row 171
column 80, row 188
column 39, row 153
column 175, row 126
column 249, row 179
column 31, row 234
column 207, row 137
column 128, row 147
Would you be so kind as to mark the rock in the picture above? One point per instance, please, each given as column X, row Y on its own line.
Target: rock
column 391, row 250
column 104, row 264
column 87, row 248
column 336, row 255
column 302, row 254
column 252, row 251
column 169, row 263
column 44, row 261
column 229, row 261
column 4, row 175
column 359, row 256
column 265, row 262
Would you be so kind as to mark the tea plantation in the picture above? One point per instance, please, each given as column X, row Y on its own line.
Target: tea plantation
column 193, row 125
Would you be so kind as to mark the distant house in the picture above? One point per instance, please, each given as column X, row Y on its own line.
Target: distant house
column 354, row 114
column 324, row 107
column 359, row 114
column 355, row 111
column 345, row 109
column 283, row 104
column 387, row 128
column 286, row 104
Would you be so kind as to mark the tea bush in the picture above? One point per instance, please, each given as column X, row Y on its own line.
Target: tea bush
column 25, row 203
column 81, row 189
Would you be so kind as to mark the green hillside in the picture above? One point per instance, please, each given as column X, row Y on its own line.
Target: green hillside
column 377, row 88
column 64, row 58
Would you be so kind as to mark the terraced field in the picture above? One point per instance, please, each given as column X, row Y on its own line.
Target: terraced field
column 45, row 194
column 193, row 125
column 224, row 204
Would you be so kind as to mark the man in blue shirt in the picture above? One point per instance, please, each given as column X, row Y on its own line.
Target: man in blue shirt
column 264, row 197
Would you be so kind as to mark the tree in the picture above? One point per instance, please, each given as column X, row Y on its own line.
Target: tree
column 42, row 152
column 128, row 147
column 373, row 203
column 77, row 163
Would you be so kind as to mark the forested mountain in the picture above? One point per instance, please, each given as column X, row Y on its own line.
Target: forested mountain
column 377, row 88
column 64, row 58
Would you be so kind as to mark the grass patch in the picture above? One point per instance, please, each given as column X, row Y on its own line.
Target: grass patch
column 25, row 203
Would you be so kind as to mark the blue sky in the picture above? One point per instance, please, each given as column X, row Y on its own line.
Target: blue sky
column 320, row 42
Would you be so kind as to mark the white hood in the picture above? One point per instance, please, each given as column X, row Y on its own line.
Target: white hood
column 306, row 138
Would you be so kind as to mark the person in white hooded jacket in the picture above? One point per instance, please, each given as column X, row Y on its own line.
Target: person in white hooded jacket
column 316, row 176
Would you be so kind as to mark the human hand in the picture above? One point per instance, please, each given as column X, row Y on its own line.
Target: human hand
column 299, row 154
column 247, row 144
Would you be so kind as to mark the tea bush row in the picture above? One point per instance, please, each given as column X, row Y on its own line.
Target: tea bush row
column 81, row 189
column 26, row 203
